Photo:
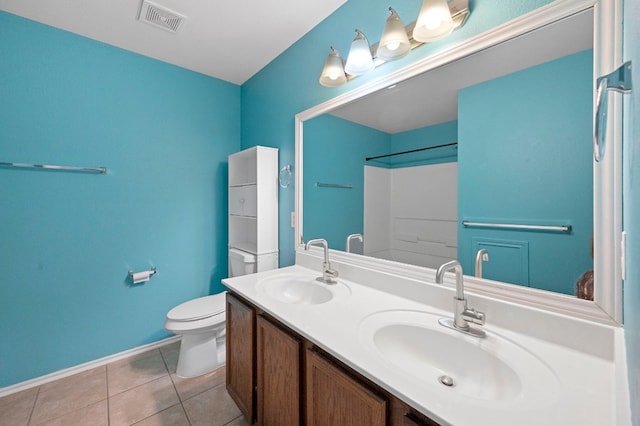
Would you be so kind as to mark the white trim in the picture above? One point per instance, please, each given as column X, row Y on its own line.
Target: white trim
column 297, row 232
column 38, row 381
column 607, row 174
column 607, row 47
column 540, row 299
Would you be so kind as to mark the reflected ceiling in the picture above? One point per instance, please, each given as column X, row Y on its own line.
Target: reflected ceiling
column 431, row 98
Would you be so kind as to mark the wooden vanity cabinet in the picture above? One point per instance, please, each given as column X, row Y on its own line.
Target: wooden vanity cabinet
column 334, row 398
column 241, row 320
column 277, row 378
column 278, row 362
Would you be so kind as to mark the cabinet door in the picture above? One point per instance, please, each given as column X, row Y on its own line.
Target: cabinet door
column 278, row 378
column 240, row 355
column 335, row 399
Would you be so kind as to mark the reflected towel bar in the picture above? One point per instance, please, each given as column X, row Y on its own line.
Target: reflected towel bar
column 558, row 228
column 333, row 185
column 96, row 170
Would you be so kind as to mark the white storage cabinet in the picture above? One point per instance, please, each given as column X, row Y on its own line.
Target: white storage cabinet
column 253, row 204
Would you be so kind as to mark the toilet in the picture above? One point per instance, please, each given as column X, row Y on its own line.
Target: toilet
column 241, row 263
column 201, row 323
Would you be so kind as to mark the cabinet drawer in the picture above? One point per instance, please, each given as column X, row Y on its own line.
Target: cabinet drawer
column 242, row 200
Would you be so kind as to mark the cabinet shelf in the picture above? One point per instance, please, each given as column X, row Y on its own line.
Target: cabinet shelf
column 237, row 185
column 242, row 216
column 248, row 246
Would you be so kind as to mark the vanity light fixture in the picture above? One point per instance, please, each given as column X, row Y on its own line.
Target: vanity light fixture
column 333, row 72
column 437, row 19
column 434, row 21
column 394, row 43
column 359, row 60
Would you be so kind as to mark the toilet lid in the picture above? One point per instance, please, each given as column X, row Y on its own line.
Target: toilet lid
column 202, row 307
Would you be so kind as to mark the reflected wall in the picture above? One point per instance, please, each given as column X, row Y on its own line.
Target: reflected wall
column 534, row 127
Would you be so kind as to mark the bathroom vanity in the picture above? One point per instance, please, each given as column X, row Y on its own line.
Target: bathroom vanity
column 283, row 378
column 369, row 350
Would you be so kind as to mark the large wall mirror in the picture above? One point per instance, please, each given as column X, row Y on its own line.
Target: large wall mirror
column 485, row 157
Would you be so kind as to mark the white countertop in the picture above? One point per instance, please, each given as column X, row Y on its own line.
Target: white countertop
column 583, row 389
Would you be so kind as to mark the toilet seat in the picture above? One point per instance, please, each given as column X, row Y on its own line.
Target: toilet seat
column 197, row 309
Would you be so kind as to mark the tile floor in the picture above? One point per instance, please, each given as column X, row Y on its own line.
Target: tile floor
column 140, row 390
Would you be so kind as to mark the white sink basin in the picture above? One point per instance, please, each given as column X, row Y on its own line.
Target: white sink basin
column 301, row 289
column 484, row 370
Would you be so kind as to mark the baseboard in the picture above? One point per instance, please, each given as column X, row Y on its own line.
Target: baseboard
column 84, row 367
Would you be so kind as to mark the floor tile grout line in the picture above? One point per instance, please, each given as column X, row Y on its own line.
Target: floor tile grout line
column 167, row 373
column 106, row 381
column 46, row 421
column 33, row 406
column 137, row 386
column 163, row 410
column 232, row 420
column 166, row 365
column 141, row 384
column 76, row 409
column 175, row 388
column 182, row 401
column 184, row 410
column 201, row 392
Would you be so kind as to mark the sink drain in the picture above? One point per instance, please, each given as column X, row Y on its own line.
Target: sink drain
column 446, row 380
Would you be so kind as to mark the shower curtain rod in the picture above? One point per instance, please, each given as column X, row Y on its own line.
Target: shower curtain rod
column 410, row 151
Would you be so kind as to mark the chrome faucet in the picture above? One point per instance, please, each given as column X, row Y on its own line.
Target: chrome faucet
column 462, row 316
column 481, row 255
column 352, row 237
column 328, row 274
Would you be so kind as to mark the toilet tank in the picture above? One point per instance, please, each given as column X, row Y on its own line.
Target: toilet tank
column 241, row 262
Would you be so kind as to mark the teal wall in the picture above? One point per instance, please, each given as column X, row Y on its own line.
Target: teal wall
column 534, row 127
column 289, row 84
column 68, row 239
column 438, row 134
column 631, row 185
column 334, row 152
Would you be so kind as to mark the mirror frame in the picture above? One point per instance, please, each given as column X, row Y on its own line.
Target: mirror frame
column 607, row 305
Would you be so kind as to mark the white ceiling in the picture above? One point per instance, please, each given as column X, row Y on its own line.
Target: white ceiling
column 432, row 97
column 229, row 40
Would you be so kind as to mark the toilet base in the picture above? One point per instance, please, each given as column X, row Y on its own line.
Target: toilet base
column 200, row 354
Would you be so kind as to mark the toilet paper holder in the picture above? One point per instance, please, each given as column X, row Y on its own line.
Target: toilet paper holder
column 140, row 277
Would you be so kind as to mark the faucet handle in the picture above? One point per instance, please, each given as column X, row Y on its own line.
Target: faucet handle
column 328, row 274
column 473, row 316
column 331, row 273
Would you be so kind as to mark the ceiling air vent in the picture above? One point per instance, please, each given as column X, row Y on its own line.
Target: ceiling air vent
column 161, row 17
